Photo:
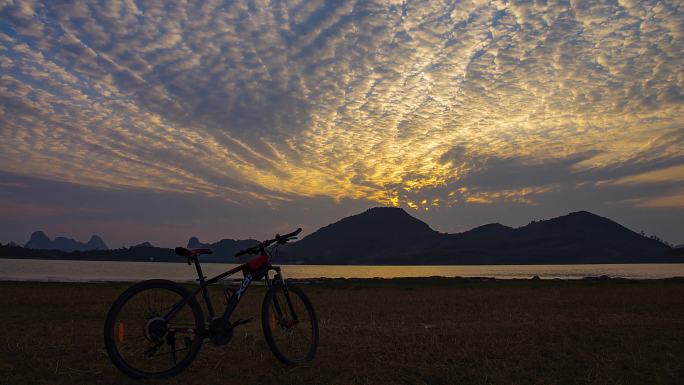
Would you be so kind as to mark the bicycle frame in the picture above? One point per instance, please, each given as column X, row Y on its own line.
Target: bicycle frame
column 248, row 277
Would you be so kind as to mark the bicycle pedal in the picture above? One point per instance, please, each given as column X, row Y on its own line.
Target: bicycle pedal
column 242, row 321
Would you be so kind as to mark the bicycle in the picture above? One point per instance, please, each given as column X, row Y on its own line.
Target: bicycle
column 155, row 328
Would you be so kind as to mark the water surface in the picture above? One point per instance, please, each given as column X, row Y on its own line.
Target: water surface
column 84, row 271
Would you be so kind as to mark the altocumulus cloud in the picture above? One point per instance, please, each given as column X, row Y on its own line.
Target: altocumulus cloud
column 415, row 103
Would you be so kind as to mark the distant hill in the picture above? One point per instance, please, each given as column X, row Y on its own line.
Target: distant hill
column 376, row 236
column 392, row 236
column 134, row 254
column 677, row 250
column 384, row 235
column 579, row 237
column 143, row 244
column 40, row 241
column 224, row 250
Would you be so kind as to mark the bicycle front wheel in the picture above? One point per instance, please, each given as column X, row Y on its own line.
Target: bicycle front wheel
column 141, row 342
column 289, row 324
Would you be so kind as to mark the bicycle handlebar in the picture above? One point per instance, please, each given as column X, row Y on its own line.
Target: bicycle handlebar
column 280, row 239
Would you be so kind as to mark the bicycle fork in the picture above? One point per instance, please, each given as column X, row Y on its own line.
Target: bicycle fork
column 279, row 313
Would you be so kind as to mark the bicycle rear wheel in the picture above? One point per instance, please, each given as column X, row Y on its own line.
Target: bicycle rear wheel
column 290, row 324
column 141, row 343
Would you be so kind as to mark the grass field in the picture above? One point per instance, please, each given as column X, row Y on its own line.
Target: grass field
column 413, row 331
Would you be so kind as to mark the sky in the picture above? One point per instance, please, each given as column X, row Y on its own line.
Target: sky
column 156, row 121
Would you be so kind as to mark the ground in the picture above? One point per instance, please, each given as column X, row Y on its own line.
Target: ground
column 410, row 331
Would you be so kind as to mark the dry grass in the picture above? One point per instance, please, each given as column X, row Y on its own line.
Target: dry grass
column 384, row 332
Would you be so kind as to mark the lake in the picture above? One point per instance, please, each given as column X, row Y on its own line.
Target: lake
column 85, row 271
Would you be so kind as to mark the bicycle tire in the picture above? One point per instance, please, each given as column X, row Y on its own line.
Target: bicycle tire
column 136, row 291
column 267, row 323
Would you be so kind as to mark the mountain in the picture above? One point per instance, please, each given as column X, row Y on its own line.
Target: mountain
column 677, row 250
column 224, row 250
column 386, row 235
column 579, row 237
column 40, row 241
column 392, row 236
column 194, row 243
column 143, row 244
column 96, row 243
column 376, row 235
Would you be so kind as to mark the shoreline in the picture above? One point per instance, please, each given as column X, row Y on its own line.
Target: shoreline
column 88, row 271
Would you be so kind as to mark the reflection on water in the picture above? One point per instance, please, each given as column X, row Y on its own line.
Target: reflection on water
column 82, row 271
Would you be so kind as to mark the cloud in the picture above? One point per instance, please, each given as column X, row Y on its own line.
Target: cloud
column 672, row 178
column 401, row 104
column 669, row 174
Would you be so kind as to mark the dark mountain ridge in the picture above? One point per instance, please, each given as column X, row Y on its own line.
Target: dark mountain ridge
column 223, row 249
column 40, row 241
column 579, row 237
column 375, row 234
column 392, row 236
column 387, row 235
column 143, row 244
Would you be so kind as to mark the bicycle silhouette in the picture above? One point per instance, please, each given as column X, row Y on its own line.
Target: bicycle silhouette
column 155, row 329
